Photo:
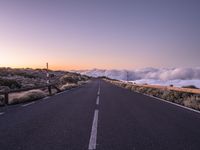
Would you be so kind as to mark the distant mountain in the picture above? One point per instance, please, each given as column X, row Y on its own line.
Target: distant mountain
column 163, row 76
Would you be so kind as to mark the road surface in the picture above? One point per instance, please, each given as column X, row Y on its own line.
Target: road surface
column 98, row 116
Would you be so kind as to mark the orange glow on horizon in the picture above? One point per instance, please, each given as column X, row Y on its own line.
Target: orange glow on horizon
column 53, row 67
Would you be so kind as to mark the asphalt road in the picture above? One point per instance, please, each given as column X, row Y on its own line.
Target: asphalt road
column 98, row 116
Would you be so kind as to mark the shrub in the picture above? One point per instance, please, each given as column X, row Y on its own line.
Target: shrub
column 192, row 102
column 123, row 85
column 25, row 75
column 128, row 86
column 68, row 86
column 26, row 96
column 70, row 78
column 10, row 83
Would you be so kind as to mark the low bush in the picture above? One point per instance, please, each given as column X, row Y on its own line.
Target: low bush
column 26, row 75
column 26, row 96
column 70, row 78
column 192, row 102
column 12, row 84
column 68, row 86
column 128, row 86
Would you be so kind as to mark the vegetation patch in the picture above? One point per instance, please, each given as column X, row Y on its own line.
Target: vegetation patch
column 17, row 79
column 12, row 84
column 72, row 78
column 68, row 86
column 26, row 96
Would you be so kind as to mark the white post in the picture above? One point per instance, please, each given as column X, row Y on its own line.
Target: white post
column 127, row 76
column 47, row 72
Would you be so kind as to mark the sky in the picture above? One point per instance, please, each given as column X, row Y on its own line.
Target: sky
column 104, row 34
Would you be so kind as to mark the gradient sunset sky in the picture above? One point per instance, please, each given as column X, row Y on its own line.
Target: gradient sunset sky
column 109, row 34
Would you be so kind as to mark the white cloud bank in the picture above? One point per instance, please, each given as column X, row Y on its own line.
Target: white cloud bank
column 164, row 76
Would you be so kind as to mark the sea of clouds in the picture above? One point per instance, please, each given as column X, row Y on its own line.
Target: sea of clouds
column 158, row 76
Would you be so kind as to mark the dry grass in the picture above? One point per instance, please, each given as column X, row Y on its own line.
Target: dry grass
column 192, row 102
column 68, row 86
column 72, row 80
column 188, row 90
column 82, row 82
column 128, row 86
column 26, row 96
column 67, row 81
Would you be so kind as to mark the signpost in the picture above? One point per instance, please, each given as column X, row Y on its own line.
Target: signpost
column 48, row 81
column 47, row 72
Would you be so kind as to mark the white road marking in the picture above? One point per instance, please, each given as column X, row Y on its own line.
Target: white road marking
column 28, row 104
column 93, row 136
column 172, row 103
column 46, row 98
column 58, row 94
column 97, row 102
column 98, row 93
column 63, row 92
column 1, row 113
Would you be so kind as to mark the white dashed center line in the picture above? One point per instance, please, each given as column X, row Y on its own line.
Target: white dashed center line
column 98, row 93
column 97, row 102
column 93, row 136
column 1, row 113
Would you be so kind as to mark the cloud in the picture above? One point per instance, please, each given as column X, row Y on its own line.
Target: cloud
column 148, row 73
column 177, row 83
column 164, row 76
